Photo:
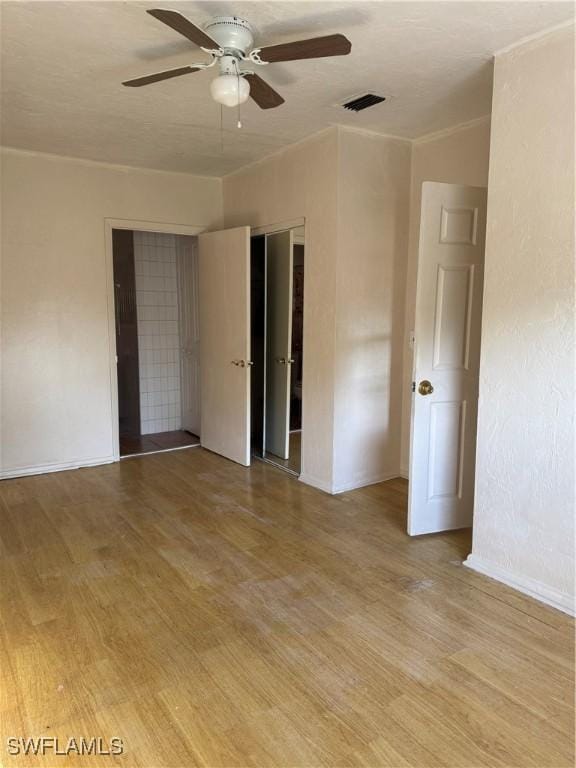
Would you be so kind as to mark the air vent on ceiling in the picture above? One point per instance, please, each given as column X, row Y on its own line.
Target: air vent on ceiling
column 358, row 103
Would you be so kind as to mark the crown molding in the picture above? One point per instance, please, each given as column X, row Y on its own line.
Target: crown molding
column 451, row 129
column 100, row 163
column 535, row 36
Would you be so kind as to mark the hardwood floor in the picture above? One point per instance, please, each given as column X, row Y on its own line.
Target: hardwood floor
column 158, row 441
column 210, row 615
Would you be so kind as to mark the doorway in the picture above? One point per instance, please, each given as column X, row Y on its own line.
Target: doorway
column 277, row 324
column 156, row 329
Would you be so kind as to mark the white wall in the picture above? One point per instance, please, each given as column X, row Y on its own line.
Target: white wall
column 302, row 182
column 524, row 507
column 373, row 208
column 56, row 389
column 457, row 156
column 158, row 332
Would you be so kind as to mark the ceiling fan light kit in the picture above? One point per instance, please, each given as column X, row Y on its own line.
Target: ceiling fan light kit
column 230, row 90
column 229, row 41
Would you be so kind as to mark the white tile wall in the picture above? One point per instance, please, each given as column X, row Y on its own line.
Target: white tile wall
column 158, row 335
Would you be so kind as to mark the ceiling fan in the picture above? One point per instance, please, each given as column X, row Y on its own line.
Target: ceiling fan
column 229, row 41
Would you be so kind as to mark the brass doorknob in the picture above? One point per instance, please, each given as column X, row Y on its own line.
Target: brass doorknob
column 425, row 387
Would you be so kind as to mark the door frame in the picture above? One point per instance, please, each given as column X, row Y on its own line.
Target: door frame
column 271, row 229
column 141, row 226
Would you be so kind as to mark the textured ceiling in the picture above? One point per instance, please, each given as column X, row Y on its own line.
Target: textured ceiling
column 63, row 62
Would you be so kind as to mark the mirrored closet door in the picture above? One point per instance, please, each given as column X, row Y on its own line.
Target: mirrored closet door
column 277, row 341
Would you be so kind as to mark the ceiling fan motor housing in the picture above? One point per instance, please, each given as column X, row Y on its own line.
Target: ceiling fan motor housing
column 231, row 33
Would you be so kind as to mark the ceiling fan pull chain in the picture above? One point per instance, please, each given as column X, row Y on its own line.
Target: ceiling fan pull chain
column 239, row 123
column 221, row 129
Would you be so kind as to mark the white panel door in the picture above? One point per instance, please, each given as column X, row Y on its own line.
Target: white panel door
column 279, row 277
column 446, row 357
column 224, row 302
column 189, row 327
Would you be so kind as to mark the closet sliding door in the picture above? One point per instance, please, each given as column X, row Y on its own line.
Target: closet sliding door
column 279, row 288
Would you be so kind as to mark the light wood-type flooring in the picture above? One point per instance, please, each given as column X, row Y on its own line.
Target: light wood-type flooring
column 210, row 615
column 157, row 441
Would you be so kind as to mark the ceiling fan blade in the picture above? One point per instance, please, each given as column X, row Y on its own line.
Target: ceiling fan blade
column 315, row 48
column 158, row 76
column 262, row 93
column 180, row 24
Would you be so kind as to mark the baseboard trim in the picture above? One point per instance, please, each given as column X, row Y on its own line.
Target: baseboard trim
column 43, row 469
column 315, row 483
column 355, row 485
column 334, row 490
column 552, row 597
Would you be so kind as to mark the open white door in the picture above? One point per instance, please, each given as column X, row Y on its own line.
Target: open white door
column 187, row 264
column 224, row 302
column 279, row 271
column 446, row 357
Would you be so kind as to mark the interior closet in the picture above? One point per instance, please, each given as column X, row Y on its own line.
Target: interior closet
column 157, row 340
column 277, row 301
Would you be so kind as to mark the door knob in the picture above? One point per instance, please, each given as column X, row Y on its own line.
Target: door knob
column 236, row 362
column 245, row 363
column 281, row 360
column 425, row 387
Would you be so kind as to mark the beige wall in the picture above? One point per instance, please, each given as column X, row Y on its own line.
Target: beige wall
column 524, row 506
column 56, row 391
column 352, row 188
column 457, row 157
column 302, row 182
column 373, row 207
